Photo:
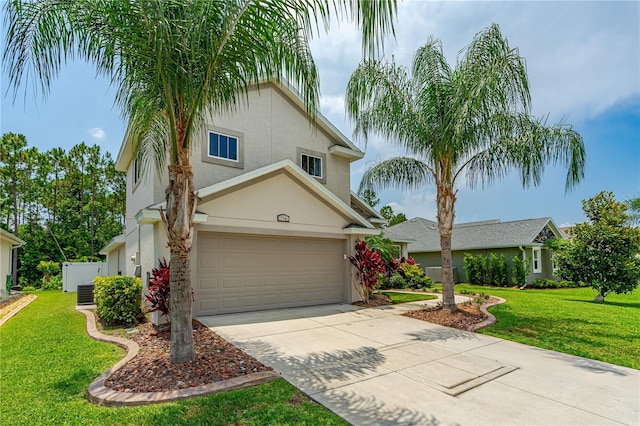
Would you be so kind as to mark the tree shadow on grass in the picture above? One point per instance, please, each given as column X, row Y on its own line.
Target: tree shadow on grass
column 635, row 305
column 74, row 384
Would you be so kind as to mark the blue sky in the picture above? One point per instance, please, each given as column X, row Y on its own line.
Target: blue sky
column 583, row 60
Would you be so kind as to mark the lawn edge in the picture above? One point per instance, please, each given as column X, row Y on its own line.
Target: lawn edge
column 99, row 394
column 20, row 305
column 491, row 319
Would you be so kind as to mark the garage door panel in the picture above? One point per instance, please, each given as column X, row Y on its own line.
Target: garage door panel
column 244, row 273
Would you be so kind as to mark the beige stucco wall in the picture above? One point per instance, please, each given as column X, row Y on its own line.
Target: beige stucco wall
column 5, row 264
column 257, row 206
column 117, row 261
column 272, row 129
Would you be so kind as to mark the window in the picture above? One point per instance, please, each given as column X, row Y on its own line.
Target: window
column 537, row 260
column 554, row 264
column 223, row 146
column 312, row 165
column 313, row 162
column 136, row 171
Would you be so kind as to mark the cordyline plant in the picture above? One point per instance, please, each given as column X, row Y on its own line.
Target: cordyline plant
column 159, row 290
column 369, row 267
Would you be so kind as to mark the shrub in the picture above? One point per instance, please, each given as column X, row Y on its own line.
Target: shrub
column 499, row 270
column 474, row 268
column 118, row 299
column 55, row 283
column 542, row 283
column 159, row 290
column 369, row 266
column 397, row 281
column 414, row 276
column 28, row 288
column 48, row 269
column 422, row 282
column 520, row 267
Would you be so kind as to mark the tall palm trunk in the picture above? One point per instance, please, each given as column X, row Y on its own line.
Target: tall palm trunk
column 445, row 203
column 181, row 203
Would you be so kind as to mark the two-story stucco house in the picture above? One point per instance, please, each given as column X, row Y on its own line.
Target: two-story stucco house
column 276, row 218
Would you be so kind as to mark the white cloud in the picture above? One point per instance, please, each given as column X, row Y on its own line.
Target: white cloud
column 566, row 225
column 332, row 105
column 415, row 204
column 582, row 60
column 97, row 133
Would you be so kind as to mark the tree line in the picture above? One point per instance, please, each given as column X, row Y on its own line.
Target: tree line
column 66, row 205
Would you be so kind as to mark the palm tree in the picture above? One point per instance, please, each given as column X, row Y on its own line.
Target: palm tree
column 173, row 61
column 472, row 121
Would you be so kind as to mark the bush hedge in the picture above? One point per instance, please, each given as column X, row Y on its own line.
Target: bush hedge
column 118, row 299
column 486, row 270
column 541, row 283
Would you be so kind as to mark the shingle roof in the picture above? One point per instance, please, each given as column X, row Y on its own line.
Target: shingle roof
column 472, row 235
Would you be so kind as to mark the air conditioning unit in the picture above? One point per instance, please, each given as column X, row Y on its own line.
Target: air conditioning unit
column 85, row 294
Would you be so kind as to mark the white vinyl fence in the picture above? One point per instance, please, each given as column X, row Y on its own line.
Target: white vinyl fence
column 74, row 273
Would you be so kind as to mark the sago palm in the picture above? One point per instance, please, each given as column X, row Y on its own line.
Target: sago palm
column 472, row 122
column 173, row 62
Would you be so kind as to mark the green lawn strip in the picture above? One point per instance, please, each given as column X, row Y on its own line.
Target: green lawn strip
column 47, row 363
column 399, row 297
column 567, row 320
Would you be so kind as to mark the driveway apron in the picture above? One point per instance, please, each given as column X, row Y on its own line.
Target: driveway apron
column 374, row 366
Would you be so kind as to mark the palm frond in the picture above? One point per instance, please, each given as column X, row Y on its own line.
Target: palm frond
column 403, row 172
column 527, row 145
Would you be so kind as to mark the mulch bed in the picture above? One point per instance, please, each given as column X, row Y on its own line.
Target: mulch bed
column 467, row 315
column 151, row 371
column 376, row 300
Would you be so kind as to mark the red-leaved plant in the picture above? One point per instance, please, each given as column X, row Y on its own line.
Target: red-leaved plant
column 369, row 266
column 159, row 294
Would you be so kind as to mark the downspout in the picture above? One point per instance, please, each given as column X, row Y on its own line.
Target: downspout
column 524, row 258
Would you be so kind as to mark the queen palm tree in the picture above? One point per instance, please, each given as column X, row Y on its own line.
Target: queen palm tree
column 470, row 122
column 172, row 61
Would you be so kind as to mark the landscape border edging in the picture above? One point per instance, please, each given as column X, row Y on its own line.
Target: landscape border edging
column 491, row 319
column 102, row 395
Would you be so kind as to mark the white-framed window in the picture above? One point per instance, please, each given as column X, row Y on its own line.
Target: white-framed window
column 536, row 260
column 554, row 264
column 137, row 171
column 311, row 164
column 223, row 146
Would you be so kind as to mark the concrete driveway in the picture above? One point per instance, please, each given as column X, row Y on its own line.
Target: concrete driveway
column 374, row 366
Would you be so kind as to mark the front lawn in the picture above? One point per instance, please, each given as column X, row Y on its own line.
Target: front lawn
column 48, row 362
column 568, row 321
column 400, row 297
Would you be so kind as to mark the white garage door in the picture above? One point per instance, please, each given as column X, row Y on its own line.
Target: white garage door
column 249, row 273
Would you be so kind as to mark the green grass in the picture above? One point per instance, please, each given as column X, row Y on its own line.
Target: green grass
column 48, row 362
column 568, row 321
column 398, row 297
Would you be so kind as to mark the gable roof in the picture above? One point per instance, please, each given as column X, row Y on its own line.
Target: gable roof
column 472, row 235
column 8, row 236
column 344, row 147
column 113, row 244
column 361, row 206
column 303, row 178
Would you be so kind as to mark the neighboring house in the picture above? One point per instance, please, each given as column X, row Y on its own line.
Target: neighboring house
column 276, row 219
column 8, row 242
column 567, row 232
column 523, row 238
